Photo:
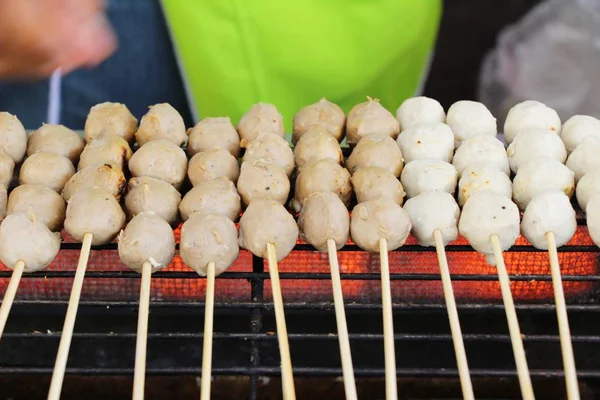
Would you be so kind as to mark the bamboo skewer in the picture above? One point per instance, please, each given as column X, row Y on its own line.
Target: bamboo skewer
column 391, row 386
column 208, row 332
column 9, row 295
column 139, row 373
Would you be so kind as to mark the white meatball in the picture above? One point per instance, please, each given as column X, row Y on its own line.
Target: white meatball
column 585, row 158
column 374, row 220
column 3, row 202
column 161, row 159
column 469, row 118
column 151, row 194
column 577, row 128
column 94, row 211
column 7, row 169
column 588, row 186
column 428, row 175
column 373, row 183
column 213, row 164
column 267, row 221
column 535, row 143
column 376, row 150
column 322, row 176
column 217, row 197
column 427, row 141
column 13, row 138
column 263, row 181
column 322, row 218
column 56, row 139
column 162, row 121
column 110, row 119
column 107, row 176
column 261, row 117
column 487, row 214
column 324, row 114
column 147, row 237
column 48, row 169
column 481, row 150
column 539, row 176
column 370, row 117
column 211, row 134
column 24, row 238
column 418, row 111
column 550, row 211
column 477, row 178
column 431, row 211
column 272, row 148
column 592, row 218
column 45, row 203
column 530, row 114
column 317, row 144
column 105, row 149
column 208, row 238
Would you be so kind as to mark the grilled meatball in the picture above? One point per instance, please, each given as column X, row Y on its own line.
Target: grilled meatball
column 13, row 138
column 324, row 217
column 550, row 211
column 160, row 159
column 379, row 219
column 427, row 141
column 322, row 176
column 426, row 175
column 324, row 114
column 584, row 158
column 272, row 148
column 260, row 118
column 107, row 176
column 161, row 121
column 207, row 238
column 430, row 211
column 527, row 115
column 535, row 143
column 147, row 237
column 110, row 119
column 213, row 164
column 217, row 197
column 376, row 150
column 592, row 217
column 57, row 139
column 539, row 176
column 23, row 237
column 481, row 150
column 3, row 202
column 370, row 117
column 213, row 133
column 150, row 194
column 486, row 214
column 94, row 211
column 45, row 203
column 577, row 128
column 470, row 118
column 373, row 183
column 419, row 111
column 105, row 149
column 267, row 221
column 263, row 181
column 46, row 169
column 477, row 178
column 7, row 169
column 317, row 144
column 588, row 186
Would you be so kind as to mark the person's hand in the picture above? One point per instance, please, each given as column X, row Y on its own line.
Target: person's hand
column 39, row 36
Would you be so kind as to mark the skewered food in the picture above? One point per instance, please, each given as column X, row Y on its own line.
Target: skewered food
column 379, row 219
column 94, row 211
column 477, row 178
column 592, row 218
column 150, row 194
column 260, row 118
column 470, row 118
column 430, row 211
column 272, row 148
column 324, row 114
column 588, row 186
column 535, row 143
column 419, row 111
column 161, row 121
column 550, row 211
column 370, row 117
column 427, row 141
column 13, row 138
column 481, row 150
column 322, row 176
column 577, row 128
column 47, row 205
column 3, row 202
column 261, row 180
column 105, row 149
column 110, row 119
column 213, row 164
column 48, row 169
column 147, row 237
column 373, row 183
column 24, row 237
column 213, row 133
column 317, row 144
column 209, row 238
column 107, row 176
column 161, row 159
column 7, row 169
column 527, row 115
column 585, row 158
column 324, row 217
column 57, row 139
column 428, row 175
column 376, row 150
column 217, row 197
column 267, row 221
